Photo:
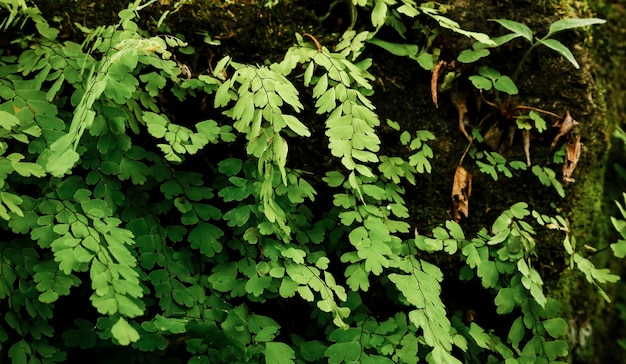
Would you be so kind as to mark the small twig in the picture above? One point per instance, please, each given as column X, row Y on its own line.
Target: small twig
column 465, row 152
column 495, row 106
column 538, row 110
column 484, row 119
column 317, row 44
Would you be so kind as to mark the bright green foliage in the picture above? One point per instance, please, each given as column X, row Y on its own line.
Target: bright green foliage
column 488, row 78
column 619, row 248
column 502, row 260
column 524, row 122
column 548, row 178
column 396, row 168
column 496, row 163
column 481, row 49
column 595, row 276
column 393, row 13
column 198, row 239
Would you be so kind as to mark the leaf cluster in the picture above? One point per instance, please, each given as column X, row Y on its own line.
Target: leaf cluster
column 197, row 239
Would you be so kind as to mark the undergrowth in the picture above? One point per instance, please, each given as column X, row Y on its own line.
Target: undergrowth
column 105, row 204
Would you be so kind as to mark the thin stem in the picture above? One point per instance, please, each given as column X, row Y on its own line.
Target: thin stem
column 522, row 61
column 465, row 152
column 538, row 110
column 487, row 101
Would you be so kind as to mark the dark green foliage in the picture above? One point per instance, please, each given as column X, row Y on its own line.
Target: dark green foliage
column 183, row 240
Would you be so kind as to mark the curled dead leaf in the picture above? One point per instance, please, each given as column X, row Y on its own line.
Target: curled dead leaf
column 435, row 79
column 461, row 192
column 459, row 100
column 572, row 149
column 564, row 126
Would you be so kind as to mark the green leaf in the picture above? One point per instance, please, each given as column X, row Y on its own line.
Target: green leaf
column 540, row 123
column 8, row 121
column 83, row 337
column 397, row 49
column 405, row 137
column 321, row 86
column 312, row 350
column 561, row 49
column 379, row 13
column 565, row 24
column 123, row 332
column 326, row 102
column 455, row 230
column 407, row 284
column 279, row 353
column 481, row 338
column 154, row 82
column 170, row 325
column 505, row 84
column 556, row 327
column 489, row 73
column 46, row 31
column 455, row 27
column 126, row 14
column 548, row 178
column 13, row 202
column 619, row 248
column 518, row 165
column 516, row 333
column 294, row 124
column 408, row 10
column 520, row 210
column 498, row 41
column 393, row 124
column 505, row 301
column 357, row 277
column 258, row 284
column 516, row 27
column 18, row 352
column 489, row 273
column 223, row 96
column 230, row 166
column 61, row 160
column 205, row 237
column 472, row 55
column 344, row 352
column 481, row 83
column 555, row 349
column 221, row 64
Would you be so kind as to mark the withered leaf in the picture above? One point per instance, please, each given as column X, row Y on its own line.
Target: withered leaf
column 526, row 137
column 461, row 192
column 572, row 149
column 459, row 100
column 434, row 81
column 564, row 126
column 493, row 136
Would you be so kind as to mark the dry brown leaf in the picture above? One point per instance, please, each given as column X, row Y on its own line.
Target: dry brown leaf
column 434, row 80
column 461, row 192
column 571, row 161
column 493, row 137
column 459, row 100
column 526, row 137
column 564, row 126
